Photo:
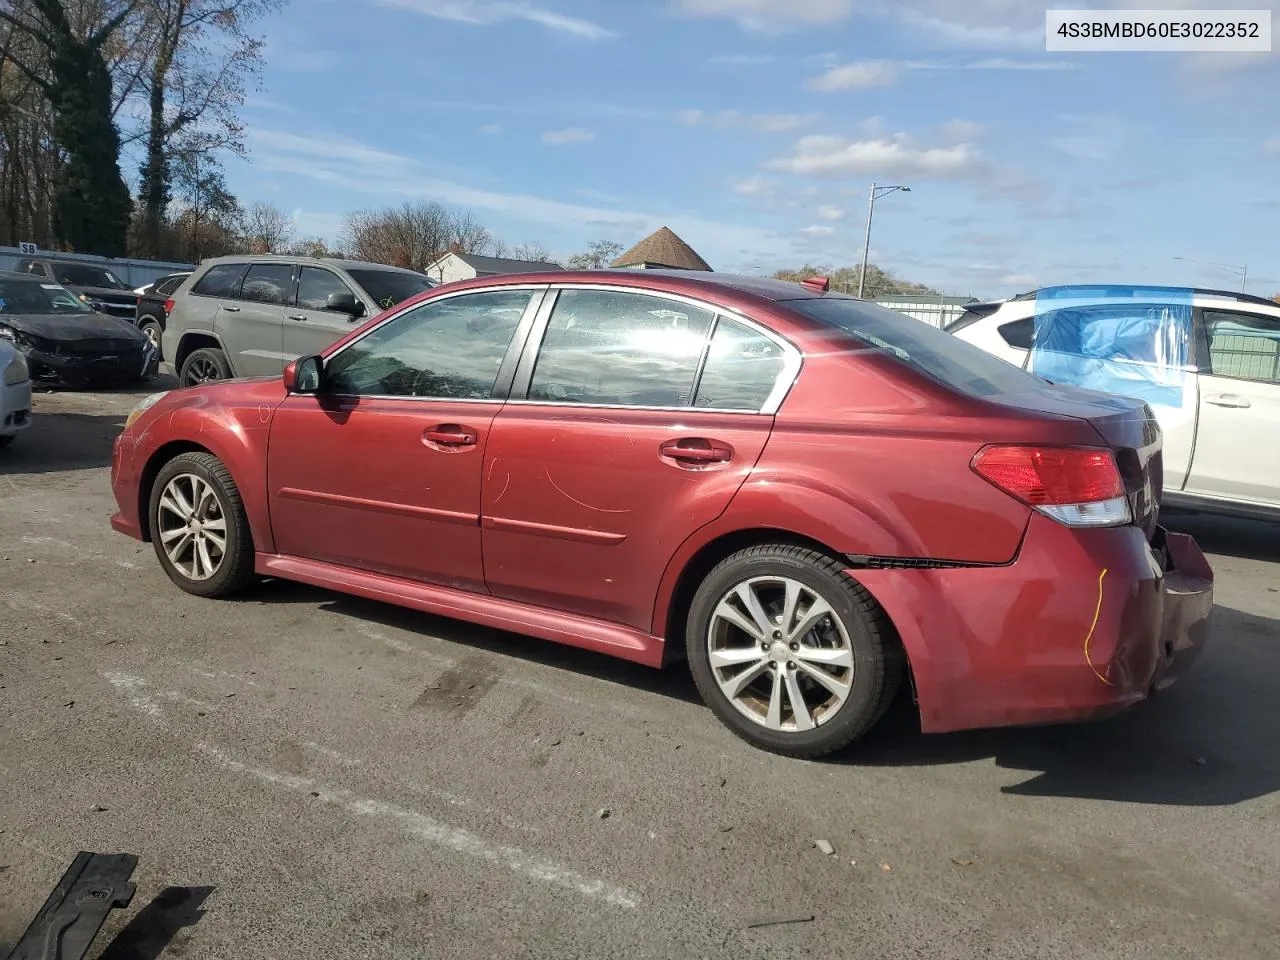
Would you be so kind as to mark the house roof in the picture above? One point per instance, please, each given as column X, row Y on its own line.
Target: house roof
column 662, row 248
column 503, row 265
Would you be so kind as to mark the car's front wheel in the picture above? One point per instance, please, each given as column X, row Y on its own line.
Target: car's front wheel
column 206, row 365
column 793, row 655
column 199, row 526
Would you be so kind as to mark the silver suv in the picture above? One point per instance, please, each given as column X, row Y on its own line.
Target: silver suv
column 248, row 316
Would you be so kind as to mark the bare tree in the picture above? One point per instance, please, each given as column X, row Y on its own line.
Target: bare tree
column 194, row 58
column 597, row 256
column 414, row 235
column 267, row 228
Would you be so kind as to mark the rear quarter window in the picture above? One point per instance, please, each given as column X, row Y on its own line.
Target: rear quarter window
column 222, row 280
column 919, row 346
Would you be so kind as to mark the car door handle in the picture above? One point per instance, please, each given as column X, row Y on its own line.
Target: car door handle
column 230, row 309
column 450, row 435
column 1228, row 400
column 297, row 316
column 695, row 451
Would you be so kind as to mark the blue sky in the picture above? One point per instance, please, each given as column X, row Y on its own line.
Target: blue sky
column 753, row 128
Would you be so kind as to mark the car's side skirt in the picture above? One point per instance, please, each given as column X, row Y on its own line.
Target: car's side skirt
column 574, row 630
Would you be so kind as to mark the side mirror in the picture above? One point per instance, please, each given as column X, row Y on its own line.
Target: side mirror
column 304, row 375
column 345, row 302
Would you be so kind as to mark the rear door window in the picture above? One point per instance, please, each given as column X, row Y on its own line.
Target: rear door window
column 607, row 348
column 222, row 280
column 1018, row 333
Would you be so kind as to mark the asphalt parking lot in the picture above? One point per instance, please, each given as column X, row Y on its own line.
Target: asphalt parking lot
column 308, row 775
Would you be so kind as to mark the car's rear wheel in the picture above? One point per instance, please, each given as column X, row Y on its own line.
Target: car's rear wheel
column 791, row 653
column 151, row 327
column 206, row 365
column 6, row 439
column 199, row 526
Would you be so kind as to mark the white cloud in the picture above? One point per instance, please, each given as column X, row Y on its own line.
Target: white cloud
column 756, row 186
column 1004, row 63
column 1272, row 147
column 856, row 76
column 829, row 212
column 961, row 131
column 818, row 230
column 1027, row 280
column 830, row 157
column 491, row 129
column 768, row 14
column 558, row 138
column 348, row 165
column 743, row 59
column 759, row 122
column 489, row 12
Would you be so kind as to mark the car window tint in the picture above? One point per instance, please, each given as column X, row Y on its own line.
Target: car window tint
column 268, row 283
column 622, row 349
column 167, row 286
column 741, row 370
column 1243, row 346
column 315, row 285
column 387, row 288
column 1018, row 333
column 220, row 281
column 449, row 349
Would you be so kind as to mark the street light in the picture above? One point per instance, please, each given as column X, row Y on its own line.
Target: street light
column 1243, row 268
column 876, row 193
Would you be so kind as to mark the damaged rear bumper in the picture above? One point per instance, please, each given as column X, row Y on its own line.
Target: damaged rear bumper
column 1081, row 625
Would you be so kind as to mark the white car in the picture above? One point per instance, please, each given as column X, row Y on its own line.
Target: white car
column 1206, row 361
column 15, row 393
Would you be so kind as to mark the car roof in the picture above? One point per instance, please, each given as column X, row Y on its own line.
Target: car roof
column 692, row 283
column 15, row 275
column 328, row 261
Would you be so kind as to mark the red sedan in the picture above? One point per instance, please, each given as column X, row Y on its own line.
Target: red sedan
column 806, row 496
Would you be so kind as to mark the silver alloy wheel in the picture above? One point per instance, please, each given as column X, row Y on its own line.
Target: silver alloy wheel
column 192, row 527
column 780, row 654
column 201, row 370
column 153, row 334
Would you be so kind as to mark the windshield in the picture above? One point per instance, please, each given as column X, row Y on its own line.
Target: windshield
column 32, row 296
column 926, row 349
column 386, row 288
column 82, row 275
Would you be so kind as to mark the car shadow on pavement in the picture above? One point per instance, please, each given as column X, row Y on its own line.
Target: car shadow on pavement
column 63, row 441
column 1210, row 740
column 153, row 928
column 674, row 682
column 1229, row 536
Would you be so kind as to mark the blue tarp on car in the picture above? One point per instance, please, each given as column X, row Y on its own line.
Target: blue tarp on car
column 1128, row 340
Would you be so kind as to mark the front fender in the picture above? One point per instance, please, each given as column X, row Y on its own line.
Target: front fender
column 235, row 431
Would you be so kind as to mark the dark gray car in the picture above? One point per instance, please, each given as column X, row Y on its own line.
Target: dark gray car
column 94, row 284
column 248, row 316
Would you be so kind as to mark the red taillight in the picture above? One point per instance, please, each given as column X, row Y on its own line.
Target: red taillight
column 1051, row 476
column 168, row 306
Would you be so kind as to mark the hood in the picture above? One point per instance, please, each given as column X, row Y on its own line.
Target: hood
column 73, row 326
column 104, row 293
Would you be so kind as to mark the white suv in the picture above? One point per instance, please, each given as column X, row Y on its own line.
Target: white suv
column 1206, row 361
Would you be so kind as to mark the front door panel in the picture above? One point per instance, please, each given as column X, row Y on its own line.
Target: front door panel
column 381, row 484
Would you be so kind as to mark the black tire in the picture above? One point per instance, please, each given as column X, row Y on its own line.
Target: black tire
column 155, row 332
column 206, row 359
column 236, row 570
column 878, row 661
